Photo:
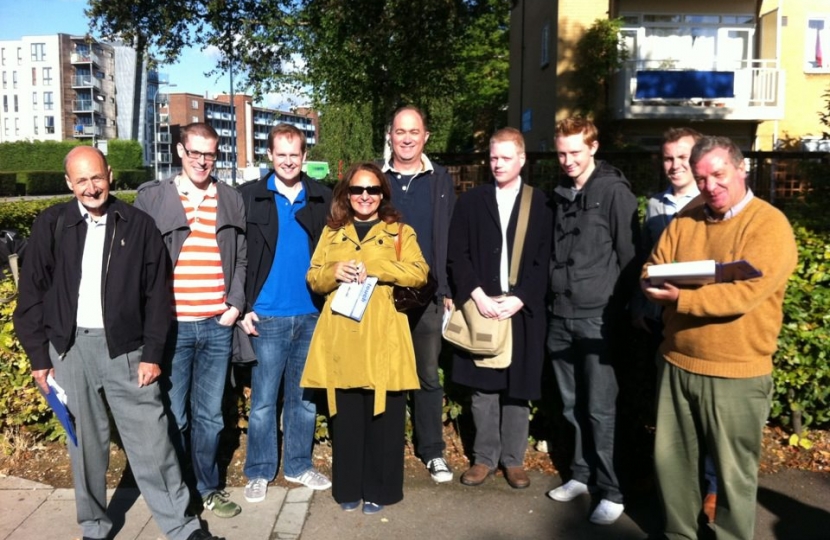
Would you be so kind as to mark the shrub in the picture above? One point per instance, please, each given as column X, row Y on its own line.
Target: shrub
column 802, row 374
column 124, row 155
column 8, row 184
column 129, row 179
column 45, row 155
column 45, row 182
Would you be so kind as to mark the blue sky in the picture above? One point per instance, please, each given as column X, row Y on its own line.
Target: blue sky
column 41, row 17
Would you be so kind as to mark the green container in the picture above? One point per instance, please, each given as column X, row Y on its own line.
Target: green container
column 318, row 170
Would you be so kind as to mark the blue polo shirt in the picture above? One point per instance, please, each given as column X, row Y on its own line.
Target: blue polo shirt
column 285, row 292
column 411, row 195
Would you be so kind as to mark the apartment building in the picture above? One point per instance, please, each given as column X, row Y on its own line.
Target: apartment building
column 753, row 70
column 244, row 127
column 57, row 87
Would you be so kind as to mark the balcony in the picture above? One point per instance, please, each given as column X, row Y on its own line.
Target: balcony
column 260, row 136
column 82, row 131
column 163, row 138
column 163, row 157
column 86, row 105
column 86, row 81
column 84, row 57
column 753, row 91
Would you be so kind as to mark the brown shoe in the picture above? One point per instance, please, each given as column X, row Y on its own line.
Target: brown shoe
column 516, row 477
column 710, row 502
column 476, row 475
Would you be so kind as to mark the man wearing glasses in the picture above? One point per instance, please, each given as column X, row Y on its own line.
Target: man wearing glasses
column 202, row 222
column 286, row 214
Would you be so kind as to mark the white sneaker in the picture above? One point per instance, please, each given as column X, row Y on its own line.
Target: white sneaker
column 569, row 491
column 312, row 479
column 439, row 470
column 607, row 512
column 255, row 490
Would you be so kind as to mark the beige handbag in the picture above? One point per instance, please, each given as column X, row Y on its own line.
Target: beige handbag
column 490, row 341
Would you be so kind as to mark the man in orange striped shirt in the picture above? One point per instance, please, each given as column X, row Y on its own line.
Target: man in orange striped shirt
column 202, row 222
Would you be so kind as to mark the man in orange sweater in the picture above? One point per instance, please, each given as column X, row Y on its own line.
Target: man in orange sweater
column 715, row 385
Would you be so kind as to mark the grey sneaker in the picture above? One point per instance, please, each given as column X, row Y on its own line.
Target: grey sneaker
column 255, row 490
column 220, row 504
column 439, row 470
column 311, row 479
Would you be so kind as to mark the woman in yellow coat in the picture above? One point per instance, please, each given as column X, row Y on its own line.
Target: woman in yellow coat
column 365, row 366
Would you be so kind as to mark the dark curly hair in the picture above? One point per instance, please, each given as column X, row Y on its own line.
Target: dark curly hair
column 341, row 213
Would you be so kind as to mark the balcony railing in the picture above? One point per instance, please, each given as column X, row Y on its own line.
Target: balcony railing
column 83, row 130
column 84, row 57
column 86, row 81
column 752, row 90
column 86, row 106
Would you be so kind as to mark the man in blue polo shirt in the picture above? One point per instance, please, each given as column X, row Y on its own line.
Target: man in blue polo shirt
column 286, row 213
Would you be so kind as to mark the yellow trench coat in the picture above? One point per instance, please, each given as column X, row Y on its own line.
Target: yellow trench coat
column 375, row 353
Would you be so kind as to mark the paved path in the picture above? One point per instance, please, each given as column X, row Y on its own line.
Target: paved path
column 792, row 505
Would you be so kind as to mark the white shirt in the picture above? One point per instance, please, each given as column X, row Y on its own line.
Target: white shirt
column 505, row 200
column 90, row 308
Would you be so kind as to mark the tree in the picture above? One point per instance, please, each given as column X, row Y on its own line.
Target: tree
column 599, row 54
column 253, row 36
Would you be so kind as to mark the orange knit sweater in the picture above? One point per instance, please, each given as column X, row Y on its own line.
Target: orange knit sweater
column 728, row 329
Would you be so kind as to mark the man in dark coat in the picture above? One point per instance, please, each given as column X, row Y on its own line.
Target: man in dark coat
column 593, row 271
column 482, row 232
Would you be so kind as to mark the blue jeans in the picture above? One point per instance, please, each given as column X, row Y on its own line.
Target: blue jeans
column 588, row 385
column 281, row 350
column 197, row 385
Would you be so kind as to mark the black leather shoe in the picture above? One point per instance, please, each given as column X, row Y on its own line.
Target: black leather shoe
column 203, row 535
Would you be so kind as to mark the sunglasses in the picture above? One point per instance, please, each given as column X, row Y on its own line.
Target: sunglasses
column 371, row 190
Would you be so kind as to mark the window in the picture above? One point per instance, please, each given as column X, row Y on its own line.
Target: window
column 49, row 124
column 194, row 119
column 17, row 127
column 6, row 126
column 47, row 76
column 545, row 53
column 47, row 101
column 5, row 83
column 34, row 101
column 14, row 79
column 194, row 104
column 19, row 56
column 38, row 52
column 5, row 104
column 817, row 44
column 3, row 56
column 16, row 108
column 34, row 120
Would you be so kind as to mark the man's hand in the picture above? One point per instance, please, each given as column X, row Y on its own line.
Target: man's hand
column 229, row 317
column 248, row 323
column 447, row 303
column 667, row 294
column 487, row 306
column 147, row 373
column 509, row 306
column 40, row 375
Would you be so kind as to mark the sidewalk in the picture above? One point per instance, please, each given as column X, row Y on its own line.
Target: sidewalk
column 792, row 505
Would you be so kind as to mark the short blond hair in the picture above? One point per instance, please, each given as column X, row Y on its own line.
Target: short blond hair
column 509, row 134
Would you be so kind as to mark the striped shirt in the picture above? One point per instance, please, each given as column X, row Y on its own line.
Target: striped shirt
column 198, row 282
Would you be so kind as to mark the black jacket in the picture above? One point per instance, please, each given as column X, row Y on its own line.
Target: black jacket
column 263, row 228
column 595, row 235
column 135, row 293
column 475, row 246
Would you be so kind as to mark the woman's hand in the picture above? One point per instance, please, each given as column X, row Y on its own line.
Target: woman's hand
column 350, row 272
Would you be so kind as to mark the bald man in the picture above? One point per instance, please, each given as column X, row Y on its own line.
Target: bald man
column 93, row 312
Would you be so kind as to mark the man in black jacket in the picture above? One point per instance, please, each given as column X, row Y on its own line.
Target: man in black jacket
column 286, row 212
column 93, row 312
column 424, row 193
column 592, row 271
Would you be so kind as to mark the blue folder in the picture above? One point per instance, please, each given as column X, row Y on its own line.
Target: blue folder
column 61, row 412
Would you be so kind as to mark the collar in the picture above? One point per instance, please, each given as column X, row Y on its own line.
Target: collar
column 732, row 212
column 669, row 195
column 426, row 166
column 88, row 218
column 285, row 191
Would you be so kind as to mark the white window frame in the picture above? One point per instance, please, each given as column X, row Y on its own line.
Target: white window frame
column 47, row 76
column 817, row 35
column 48, row 102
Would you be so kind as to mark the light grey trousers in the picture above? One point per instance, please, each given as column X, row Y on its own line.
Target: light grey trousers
column 502, row 426
column 88, row 374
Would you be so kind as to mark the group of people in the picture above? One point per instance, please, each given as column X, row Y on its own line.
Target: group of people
column 114, row 298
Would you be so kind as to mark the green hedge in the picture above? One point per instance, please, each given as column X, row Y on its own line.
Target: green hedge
column 130, row 179
column 43, row 182
column 124, row 155
column 45, row 155
column 8, row 184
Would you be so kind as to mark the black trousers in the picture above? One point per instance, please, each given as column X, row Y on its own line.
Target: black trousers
column 367, row 450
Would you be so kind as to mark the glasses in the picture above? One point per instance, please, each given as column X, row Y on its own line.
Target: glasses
column 371, row 190
column 193, row 154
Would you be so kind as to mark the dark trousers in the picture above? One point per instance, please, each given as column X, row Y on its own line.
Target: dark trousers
column 368, row 450
column 428, row 402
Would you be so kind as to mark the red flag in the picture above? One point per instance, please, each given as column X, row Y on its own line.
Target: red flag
column 819, row 56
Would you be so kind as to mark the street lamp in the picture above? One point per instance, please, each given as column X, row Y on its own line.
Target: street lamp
column 156, row 127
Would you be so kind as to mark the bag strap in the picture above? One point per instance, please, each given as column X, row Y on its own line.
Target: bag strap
column 521, row 233
column 398, row 244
